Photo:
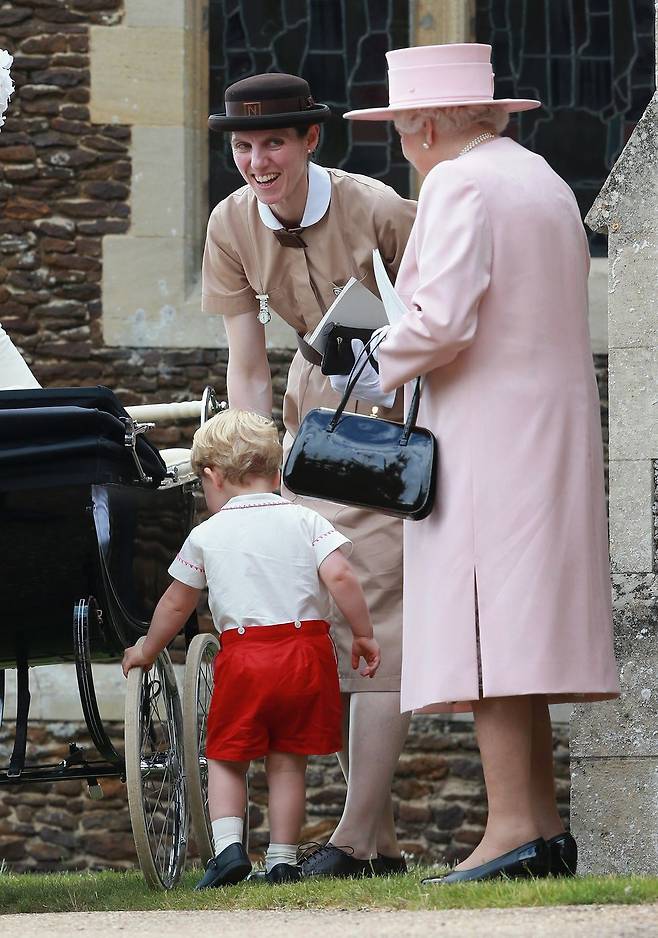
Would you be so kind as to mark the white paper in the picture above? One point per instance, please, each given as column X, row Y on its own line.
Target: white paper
column 395, row 308
column 354, row 306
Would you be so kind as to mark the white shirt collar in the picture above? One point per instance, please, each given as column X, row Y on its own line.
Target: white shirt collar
column 317, row 200
column 256, row 497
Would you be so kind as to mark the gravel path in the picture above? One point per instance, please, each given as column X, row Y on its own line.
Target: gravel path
column 566, row 922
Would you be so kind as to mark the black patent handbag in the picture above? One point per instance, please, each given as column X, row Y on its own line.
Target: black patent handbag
column 365, row 461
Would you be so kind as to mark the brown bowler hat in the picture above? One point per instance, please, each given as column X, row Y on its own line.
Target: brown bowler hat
column 262, row 102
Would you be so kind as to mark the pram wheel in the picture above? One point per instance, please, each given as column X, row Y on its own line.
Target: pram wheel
column 157, row 795
column 197, row 694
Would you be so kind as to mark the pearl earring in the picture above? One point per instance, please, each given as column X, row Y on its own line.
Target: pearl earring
column 425, row 145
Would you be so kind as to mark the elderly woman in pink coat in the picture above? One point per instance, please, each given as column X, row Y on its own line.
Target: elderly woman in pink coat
column 507, row 603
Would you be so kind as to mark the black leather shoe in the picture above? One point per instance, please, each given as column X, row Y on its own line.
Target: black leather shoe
column 531, row 859
column 388, row 866
column 281, row 873
column 229, row 867
column 335, row 861
column 564, row 854
column 284, row 873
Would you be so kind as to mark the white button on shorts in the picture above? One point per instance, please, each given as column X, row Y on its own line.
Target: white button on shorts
column 298, row 624
column 241, row 630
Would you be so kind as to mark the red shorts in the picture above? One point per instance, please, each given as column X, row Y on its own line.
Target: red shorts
column 276, row 690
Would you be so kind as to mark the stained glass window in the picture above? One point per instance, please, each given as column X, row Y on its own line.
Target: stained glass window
column 338, row 46
column 591, row 63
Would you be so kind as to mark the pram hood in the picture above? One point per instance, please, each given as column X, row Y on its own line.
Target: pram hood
column 69, row 436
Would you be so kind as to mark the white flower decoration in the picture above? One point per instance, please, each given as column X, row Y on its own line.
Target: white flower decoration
column 6, row 84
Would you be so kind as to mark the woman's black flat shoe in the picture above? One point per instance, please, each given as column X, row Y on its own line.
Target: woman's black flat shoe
column 329, row 860
column 564, row 854
column 388, row 866
column 531, row 859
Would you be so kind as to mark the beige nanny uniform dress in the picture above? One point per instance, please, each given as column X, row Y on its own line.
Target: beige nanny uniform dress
column 346, row 217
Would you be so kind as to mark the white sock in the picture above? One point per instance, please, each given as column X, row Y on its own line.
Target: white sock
column 280, row 853
column 226, row 831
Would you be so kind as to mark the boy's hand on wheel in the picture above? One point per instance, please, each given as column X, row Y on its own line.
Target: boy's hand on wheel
column 133, row 657
column 368, row 649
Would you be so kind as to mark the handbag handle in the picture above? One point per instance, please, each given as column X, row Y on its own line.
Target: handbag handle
column 410, row 422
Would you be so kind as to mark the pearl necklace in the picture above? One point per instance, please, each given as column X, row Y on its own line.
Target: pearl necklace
column 476, row 141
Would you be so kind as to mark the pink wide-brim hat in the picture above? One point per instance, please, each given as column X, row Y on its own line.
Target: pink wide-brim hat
column 452, row 75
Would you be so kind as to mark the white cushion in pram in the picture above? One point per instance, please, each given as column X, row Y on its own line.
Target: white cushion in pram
column 178, row 459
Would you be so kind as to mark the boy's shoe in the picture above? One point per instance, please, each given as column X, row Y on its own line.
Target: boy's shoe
column 335, row 861
column 388, row 866
column 229, row 867
column 281, row 873
column 284, row 873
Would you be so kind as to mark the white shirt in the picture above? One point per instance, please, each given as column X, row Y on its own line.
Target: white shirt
column 317, row 200
column 259, row 557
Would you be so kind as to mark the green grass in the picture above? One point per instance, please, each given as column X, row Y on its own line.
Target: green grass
column 95, row 892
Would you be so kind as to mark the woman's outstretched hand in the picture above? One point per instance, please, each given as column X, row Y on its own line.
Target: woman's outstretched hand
column 368, row 649
column 367, row 386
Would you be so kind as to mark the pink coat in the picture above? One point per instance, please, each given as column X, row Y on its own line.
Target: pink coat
column 516, row 549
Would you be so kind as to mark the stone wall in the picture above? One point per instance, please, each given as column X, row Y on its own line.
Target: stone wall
column 438, row 794
column 64, row 184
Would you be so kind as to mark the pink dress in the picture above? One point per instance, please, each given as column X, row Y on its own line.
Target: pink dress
column 507, row 582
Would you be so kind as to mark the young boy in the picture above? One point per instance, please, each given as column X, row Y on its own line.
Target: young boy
column 269, row 566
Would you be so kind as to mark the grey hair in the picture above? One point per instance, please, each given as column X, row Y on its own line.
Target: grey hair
column 453, row 119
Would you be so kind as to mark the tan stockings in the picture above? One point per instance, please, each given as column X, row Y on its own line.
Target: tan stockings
column 516, row 745
column 376, row 732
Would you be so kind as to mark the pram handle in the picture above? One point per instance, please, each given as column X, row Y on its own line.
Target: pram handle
column 162, row 413
column 201, row 410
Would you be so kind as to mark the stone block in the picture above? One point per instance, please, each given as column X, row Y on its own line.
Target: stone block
column 158, row 309
column 57, row 838
column 42, row 851
column 58, row 819
column 631, row 522
column 109, row 845
column 158, row 197
column 613, row 812
column 628, row 726
column 154, row 13
column 12, row 848
column 632, row 317
column 427, row 766
column 136, row 79
column 414, row 813
column 633, row 411
column 448, row 816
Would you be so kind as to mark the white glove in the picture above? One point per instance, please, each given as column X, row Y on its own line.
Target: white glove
column 376, row 339
column 367, row 386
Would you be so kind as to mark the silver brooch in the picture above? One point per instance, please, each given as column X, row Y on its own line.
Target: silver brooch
column 264, row 314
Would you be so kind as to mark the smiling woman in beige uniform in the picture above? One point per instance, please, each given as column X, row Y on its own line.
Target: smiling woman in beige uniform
column 285, row 244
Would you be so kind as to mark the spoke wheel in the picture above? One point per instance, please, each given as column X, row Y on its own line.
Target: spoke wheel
column 197, row 694
column 154, row 772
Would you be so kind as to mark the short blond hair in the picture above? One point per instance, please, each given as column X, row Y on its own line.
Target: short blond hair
column 240, row 444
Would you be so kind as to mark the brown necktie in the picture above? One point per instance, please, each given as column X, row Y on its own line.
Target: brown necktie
column 290, row 237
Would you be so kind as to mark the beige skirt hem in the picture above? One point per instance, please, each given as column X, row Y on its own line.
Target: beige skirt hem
column 387, row 684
